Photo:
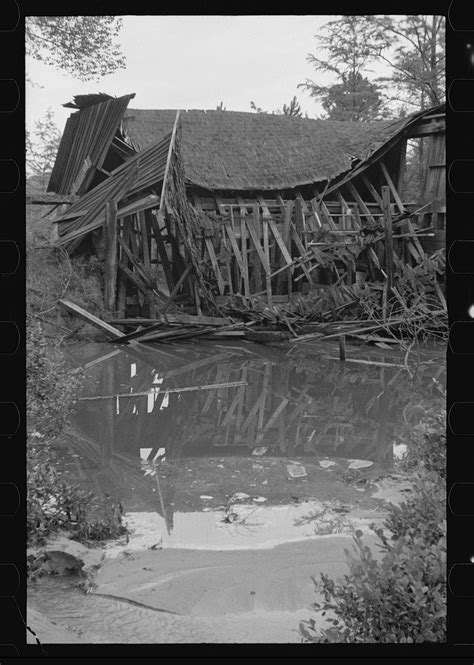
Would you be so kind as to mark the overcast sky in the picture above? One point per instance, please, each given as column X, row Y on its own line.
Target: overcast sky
column 195, row 62
column 191, row 62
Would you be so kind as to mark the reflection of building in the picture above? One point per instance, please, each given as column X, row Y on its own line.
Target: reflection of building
column 223, row 405
column 141, row 439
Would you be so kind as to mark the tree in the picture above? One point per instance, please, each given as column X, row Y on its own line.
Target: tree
column 221, row 107
column 83, row 46
column 419, row 60
column 293, row 109
column 352, row 44
column 42, row 150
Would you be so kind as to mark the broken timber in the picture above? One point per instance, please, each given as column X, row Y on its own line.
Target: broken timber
column 90, row 318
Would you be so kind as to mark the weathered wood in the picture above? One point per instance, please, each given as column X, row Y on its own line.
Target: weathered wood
column 215, row 265
column 160, row 245
column 90, row 318
column 392, row 187
column 342, row 348
column 176, row 317
column 123, row 230
column 145, row 203
column 360, row 201
column 260, row 251
column 268, row 278
column 243, row 244
column 168, row 162
column 375, row 195
column 110, row 236
column 280, row 243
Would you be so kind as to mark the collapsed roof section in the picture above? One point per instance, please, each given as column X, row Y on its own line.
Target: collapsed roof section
column 85, row 145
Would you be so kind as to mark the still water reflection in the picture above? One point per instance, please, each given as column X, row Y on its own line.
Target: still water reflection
column 217, row 413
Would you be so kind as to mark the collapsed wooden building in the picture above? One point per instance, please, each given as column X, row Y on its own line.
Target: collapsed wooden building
column 191, row 208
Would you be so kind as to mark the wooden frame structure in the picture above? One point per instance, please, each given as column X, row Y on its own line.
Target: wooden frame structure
column 168, row 243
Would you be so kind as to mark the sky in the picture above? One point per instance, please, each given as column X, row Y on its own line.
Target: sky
column 195, row 62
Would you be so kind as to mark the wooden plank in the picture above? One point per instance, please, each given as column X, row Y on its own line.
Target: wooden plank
column 280, row 242
column 287, row 240
column 110, row 237
column 258, row 247
column 245, row 259
column 145, row 203
column 90, row 318
column 268, row 278
column 361, row 202
column 388, row 238
column 122, row 230
column 302, row 251
column 160, row 245
column 176, row 288
column 234, row 244
column 215, row 265
column 375, row 195
column 168, row 161
column 393, row 189
column 402, row 167
column 140, row 285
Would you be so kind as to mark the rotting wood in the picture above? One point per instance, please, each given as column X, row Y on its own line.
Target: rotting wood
column 392, row 187
column 90, row 318
column 388, row 238
column 268, row 279
column 110, row 236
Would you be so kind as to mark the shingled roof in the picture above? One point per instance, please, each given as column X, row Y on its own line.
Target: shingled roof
column 224, row 150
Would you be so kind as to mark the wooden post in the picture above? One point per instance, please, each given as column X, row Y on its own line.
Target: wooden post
column 342, row 348
column 268, row 279
column 388, row 238
column 110, row 237
column 388, row 235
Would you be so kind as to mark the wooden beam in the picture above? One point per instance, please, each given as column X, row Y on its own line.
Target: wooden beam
column 90, row 318
column 393, row 189
column 268, row 278
column 160, row 245
column 110, row 237
column 360, row 201
column 388, row 238
column 245, row 258
column 168, row 162
column 375, row 195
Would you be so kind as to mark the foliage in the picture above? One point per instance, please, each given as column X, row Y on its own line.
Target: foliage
column 350, row 42
column 418, row 66
column 50, row 385
column 42, row 147
column 412, row 47
column 83, row 46
column 400, row 599
column 54, row 505
column 400, row 596
column 51, row 274
column 292, row 110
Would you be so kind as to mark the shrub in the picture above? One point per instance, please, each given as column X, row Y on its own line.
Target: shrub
column 50, row 385
column 53, row 504
column 401, row 596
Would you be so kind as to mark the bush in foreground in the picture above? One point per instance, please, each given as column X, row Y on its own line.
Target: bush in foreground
column 400, row 597
column 53, row 504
